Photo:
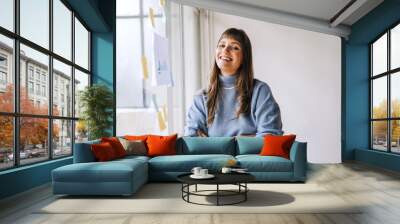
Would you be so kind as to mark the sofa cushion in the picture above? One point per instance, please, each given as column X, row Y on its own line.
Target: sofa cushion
column 103, row 152
column 210, row 145
column 116, row 145
column 161, row 145
column 278, row 145
column 111, row 171
column 249, row 145
column 83, row 152
column 185, row 163
column 133, row 158
column 257, row 163
column 136, row 137
column 134, row 147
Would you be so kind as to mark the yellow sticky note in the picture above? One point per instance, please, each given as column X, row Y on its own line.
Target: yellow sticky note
column 144, row 67
column 161, row 122
column 164, row 110
column 162, row 3
column 151, row 17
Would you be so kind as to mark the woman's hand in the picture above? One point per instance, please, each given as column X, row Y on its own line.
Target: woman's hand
column 200, row 133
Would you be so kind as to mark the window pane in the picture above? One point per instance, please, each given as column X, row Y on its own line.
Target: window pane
column 81, row 45
column 81, row 131
column 379, row 135
column 33, row 139
column 6, row 74
column 62, row 89
column 395, row 47
column 129, row 68
column 35, row 21
column 6, row 142
column 7, row 14
column 81, row 81
column 395, row 136
column 34, row 97
column 127, row 7
column 379, row 100
column 62, row 138
column 379, row 55
column 62, row 29
column 395, row 94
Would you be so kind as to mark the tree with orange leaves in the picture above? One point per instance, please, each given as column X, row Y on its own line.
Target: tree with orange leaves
column 33, row 130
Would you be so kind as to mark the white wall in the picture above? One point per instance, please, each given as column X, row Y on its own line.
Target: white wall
column 303, row 69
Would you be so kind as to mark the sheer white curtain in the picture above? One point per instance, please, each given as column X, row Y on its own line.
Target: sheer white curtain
column 186, row 60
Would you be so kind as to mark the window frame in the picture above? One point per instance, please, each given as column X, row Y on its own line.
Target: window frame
column 16, row 115
column 388, row 74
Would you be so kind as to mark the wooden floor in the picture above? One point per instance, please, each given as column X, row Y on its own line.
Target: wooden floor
column 377, row 188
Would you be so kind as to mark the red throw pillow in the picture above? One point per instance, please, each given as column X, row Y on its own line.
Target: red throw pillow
column 161, row 145
column 103, row 152
column 116, row 145
column 275, row 145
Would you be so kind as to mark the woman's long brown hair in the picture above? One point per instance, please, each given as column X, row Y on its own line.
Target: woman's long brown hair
column 244, row 82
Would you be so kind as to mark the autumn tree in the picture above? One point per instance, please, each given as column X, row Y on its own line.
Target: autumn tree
column 380, row 127
column 33, row 130
column 6, row 122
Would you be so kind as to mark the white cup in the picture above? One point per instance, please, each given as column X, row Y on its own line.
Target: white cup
column 196, row 170
column 226, row 170
column 203, row 172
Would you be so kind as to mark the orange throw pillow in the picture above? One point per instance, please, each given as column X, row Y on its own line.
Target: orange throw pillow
column 161, row 145
column 116, row 145
column 275, row 145
column 103, row 151
column 136, row 137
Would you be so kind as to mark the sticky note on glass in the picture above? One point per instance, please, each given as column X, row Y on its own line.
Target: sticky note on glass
column 161, row 121
column 164, row 110
column 151, row 17
column 162, row 3
column 144, row 67
column 154, row 99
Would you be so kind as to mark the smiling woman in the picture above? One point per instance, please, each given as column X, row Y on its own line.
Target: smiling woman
column 235, row 103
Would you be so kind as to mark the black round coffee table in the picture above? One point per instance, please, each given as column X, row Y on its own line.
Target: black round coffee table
column 238, row 179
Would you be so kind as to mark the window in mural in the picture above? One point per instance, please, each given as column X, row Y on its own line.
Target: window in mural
column 43, row 112
column 385, row 91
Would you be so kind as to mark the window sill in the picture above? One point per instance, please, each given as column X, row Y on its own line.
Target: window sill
column 26, row 167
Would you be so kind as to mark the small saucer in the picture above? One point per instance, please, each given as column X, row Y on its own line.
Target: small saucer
column 208, row 176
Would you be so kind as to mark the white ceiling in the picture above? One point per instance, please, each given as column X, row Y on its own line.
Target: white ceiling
column 320, row 9
column 314, row 15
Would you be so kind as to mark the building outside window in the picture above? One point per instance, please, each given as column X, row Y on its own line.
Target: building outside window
column 3, row 61
column 30, row 87
column 3, row 81
column 3, row 72
column 30, row 72
column 38, row 89
column 3, row 78
column 37, row 75
column 43, row 90
column 44, row 77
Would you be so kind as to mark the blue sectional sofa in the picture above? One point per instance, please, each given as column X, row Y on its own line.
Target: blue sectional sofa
column 125, row 176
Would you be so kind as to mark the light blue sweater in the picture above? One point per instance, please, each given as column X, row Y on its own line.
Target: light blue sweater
column 264, row 118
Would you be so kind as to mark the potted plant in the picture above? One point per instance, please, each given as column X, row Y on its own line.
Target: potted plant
column 97, row 103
